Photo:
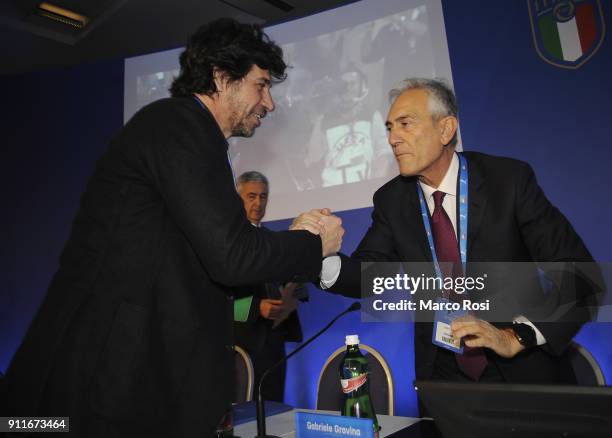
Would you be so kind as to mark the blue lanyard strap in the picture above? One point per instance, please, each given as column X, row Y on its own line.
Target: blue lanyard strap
column 463, row 216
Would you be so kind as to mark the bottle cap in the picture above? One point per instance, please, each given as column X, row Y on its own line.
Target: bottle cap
column 351, row 340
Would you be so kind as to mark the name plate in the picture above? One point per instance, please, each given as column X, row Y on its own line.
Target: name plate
column 309, row 425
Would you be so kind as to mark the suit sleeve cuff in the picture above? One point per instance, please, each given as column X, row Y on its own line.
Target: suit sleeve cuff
column 540, row 339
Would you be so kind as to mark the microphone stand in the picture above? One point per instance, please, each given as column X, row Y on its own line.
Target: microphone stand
column 259, row 406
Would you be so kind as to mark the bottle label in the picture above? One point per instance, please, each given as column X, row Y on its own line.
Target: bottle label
column 354, row 383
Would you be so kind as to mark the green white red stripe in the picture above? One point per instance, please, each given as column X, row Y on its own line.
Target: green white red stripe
column 569, row 40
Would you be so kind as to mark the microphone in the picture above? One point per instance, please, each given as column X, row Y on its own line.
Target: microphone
column 259, row 406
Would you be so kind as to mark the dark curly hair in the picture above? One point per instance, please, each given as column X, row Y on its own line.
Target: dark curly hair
column 231, row 47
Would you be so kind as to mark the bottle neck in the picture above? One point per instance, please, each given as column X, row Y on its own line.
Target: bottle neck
column 353, row 348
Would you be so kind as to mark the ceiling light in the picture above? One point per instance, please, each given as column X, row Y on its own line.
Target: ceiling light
column 62, row 15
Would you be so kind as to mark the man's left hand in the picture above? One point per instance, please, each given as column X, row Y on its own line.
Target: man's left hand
column 290, row 303
column 479, row 333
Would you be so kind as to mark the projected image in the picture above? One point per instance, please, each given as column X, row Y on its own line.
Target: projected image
column 326, row 142
column 346, row 141
column 329, row 125
column 152, row 87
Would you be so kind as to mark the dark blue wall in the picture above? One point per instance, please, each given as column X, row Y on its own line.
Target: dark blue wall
column 55, row 125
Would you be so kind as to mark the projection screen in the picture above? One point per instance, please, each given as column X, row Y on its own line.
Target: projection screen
column 325, row 145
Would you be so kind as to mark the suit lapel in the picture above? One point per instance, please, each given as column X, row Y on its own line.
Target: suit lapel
column 477, row 200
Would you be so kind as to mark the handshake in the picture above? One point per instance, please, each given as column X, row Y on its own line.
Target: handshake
column 326, row 225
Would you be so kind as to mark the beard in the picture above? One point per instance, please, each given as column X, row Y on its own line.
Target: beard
column 239, row 119
column 241, row 128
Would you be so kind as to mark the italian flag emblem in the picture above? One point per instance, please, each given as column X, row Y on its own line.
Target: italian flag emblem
column 566, row 33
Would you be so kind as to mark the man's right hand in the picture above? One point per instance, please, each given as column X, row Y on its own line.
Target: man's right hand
column 270, row 309
column 326, row 225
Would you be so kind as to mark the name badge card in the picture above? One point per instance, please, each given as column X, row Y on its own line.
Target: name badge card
column 310, row 425
column 442, row 334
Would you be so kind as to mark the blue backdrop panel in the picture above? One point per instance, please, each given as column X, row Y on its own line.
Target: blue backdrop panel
column 392, row 340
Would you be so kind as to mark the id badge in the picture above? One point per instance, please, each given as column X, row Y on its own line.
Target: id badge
column 442, row 334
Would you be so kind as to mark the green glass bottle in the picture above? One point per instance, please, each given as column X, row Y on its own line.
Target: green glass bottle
column 354, row 380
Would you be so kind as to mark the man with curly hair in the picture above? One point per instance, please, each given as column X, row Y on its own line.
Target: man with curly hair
column 134, row 337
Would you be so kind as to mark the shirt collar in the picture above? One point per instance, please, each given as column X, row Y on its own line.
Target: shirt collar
column 209, row 114
column 449, row 182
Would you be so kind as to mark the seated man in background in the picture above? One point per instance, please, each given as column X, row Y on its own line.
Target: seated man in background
column 268, row 318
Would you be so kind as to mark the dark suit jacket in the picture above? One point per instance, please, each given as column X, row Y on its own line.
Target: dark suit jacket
column 509, row 220
column 136, row 328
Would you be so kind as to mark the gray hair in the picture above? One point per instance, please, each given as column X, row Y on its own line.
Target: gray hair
column 252, row 176
column 442, row 100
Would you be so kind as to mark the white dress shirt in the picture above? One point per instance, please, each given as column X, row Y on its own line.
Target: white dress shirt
column 448, row 186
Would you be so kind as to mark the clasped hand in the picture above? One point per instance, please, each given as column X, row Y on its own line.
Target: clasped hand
column 324, row 224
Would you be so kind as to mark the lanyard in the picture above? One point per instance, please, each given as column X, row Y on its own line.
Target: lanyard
column 229, row 160
column 463, row 216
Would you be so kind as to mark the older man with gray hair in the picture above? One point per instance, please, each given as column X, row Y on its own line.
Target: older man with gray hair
column 267, row 317
column 453, row 207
